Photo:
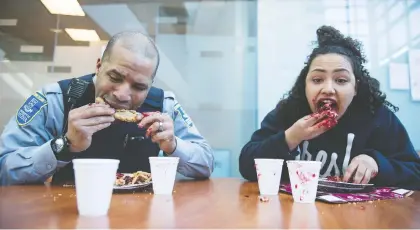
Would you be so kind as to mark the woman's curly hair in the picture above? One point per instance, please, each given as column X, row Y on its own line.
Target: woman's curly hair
column 330, row 40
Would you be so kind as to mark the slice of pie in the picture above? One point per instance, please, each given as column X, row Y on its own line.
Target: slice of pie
column 122, row 114
column 126, row 115
column 138, row 177
column 99, row 100
column 329, row 116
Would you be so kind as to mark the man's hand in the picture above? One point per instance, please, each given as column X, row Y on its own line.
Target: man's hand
column 83, row 122
column 362, row 168
column 160, row 127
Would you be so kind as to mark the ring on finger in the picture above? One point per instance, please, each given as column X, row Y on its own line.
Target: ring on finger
column 160, row 129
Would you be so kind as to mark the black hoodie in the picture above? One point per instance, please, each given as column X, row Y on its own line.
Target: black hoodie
column 381, row 136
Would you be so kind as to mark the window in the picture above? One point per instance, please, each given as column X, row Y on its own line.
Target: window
column 359, row 29
column 358, row 2
column 335, row 3
column 398, row 35
column 196, row 41
column 411, row 2
column 382, row 47
column 380, row 9
column 390, row 2
column 336, row 15
column 396, row 11
column 413, row 20
column 358, row 13
column 380, row 25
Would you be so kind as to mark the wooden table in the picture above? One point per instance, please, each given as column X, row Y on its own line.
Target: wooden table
column 217, row 203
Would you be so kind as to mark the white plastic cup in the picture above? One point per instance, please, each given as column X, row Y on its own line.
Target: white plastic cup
column 163, row 170
column 269, row 175
column 95, row 180
column 304, row 177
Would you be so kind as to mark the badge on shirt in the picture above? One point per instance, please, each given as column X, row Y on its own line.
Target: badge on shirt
column 179, row 110
column 30, row 108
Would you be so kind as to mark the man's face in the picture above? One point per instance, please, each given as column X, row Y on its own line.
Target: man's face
column 124, row 80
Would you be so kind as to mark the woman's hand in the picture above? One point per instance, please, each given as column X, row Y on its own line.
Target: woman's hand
column 304, row 129
column 362, row 169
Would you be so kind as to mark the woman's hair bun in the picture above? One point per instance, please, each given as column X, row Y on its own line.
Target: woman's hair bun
column 330, row 36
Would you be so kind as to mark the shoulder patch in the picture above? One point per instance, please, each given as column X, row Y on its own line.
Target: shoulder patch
column 30, row 108
column 179, row 110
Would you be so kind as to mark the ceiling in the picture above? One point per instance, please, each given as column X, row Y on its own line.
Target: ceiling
column 36, row 26
column 106, row 17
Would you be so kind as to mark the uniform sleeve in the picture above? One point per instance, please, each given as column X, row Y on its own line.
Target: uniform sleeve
column 195, row 154
column 267, row 142
column 398, row 162
column 25, row 152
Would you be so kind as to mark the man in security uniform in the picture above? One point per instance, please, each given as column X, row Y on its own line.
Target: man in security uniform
column 61, row 122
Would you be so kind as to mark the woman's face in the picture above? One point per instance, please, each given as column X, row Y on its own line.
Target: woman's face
column 330, row 79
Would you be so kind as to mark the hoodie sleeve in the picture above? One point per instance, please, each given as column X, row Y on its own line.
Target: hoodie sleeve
column 398, row 162
column 267, row 142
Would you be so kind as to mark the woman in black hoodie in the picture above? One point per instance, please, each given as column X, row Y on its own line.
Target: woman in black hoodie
column 335, row 113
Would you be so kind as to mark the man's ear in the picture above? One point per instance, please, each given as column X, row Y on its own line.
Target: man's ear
column 98, row 65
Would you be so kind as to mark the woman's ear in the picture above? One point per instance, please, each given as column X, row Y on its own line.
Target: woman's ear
column 98, row 66
column 356, row 87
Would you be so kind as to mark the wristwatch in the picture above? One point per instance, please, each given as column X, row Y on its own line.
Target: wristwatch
column 60, row 147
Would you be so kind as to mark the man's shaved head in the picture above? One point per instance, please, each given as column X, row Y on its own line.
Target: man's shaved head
column 138, row 43
column 127, row 70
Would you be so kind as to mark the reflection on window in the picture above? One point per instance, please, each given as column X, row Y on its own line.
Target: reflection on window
column 380, row 9
column 359, row 28
column 414, row 19
column 382, row 47
column 335, row 3
column 336, row 14
column 396, row 11
column 358, row 2
column 411, row 2
column 358, row 13
column 391, row 2
column 380, row 25
column 398, row 35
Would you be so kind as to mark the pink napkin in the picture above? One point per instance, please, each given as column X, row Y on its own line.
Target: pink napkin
column 380, row 193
